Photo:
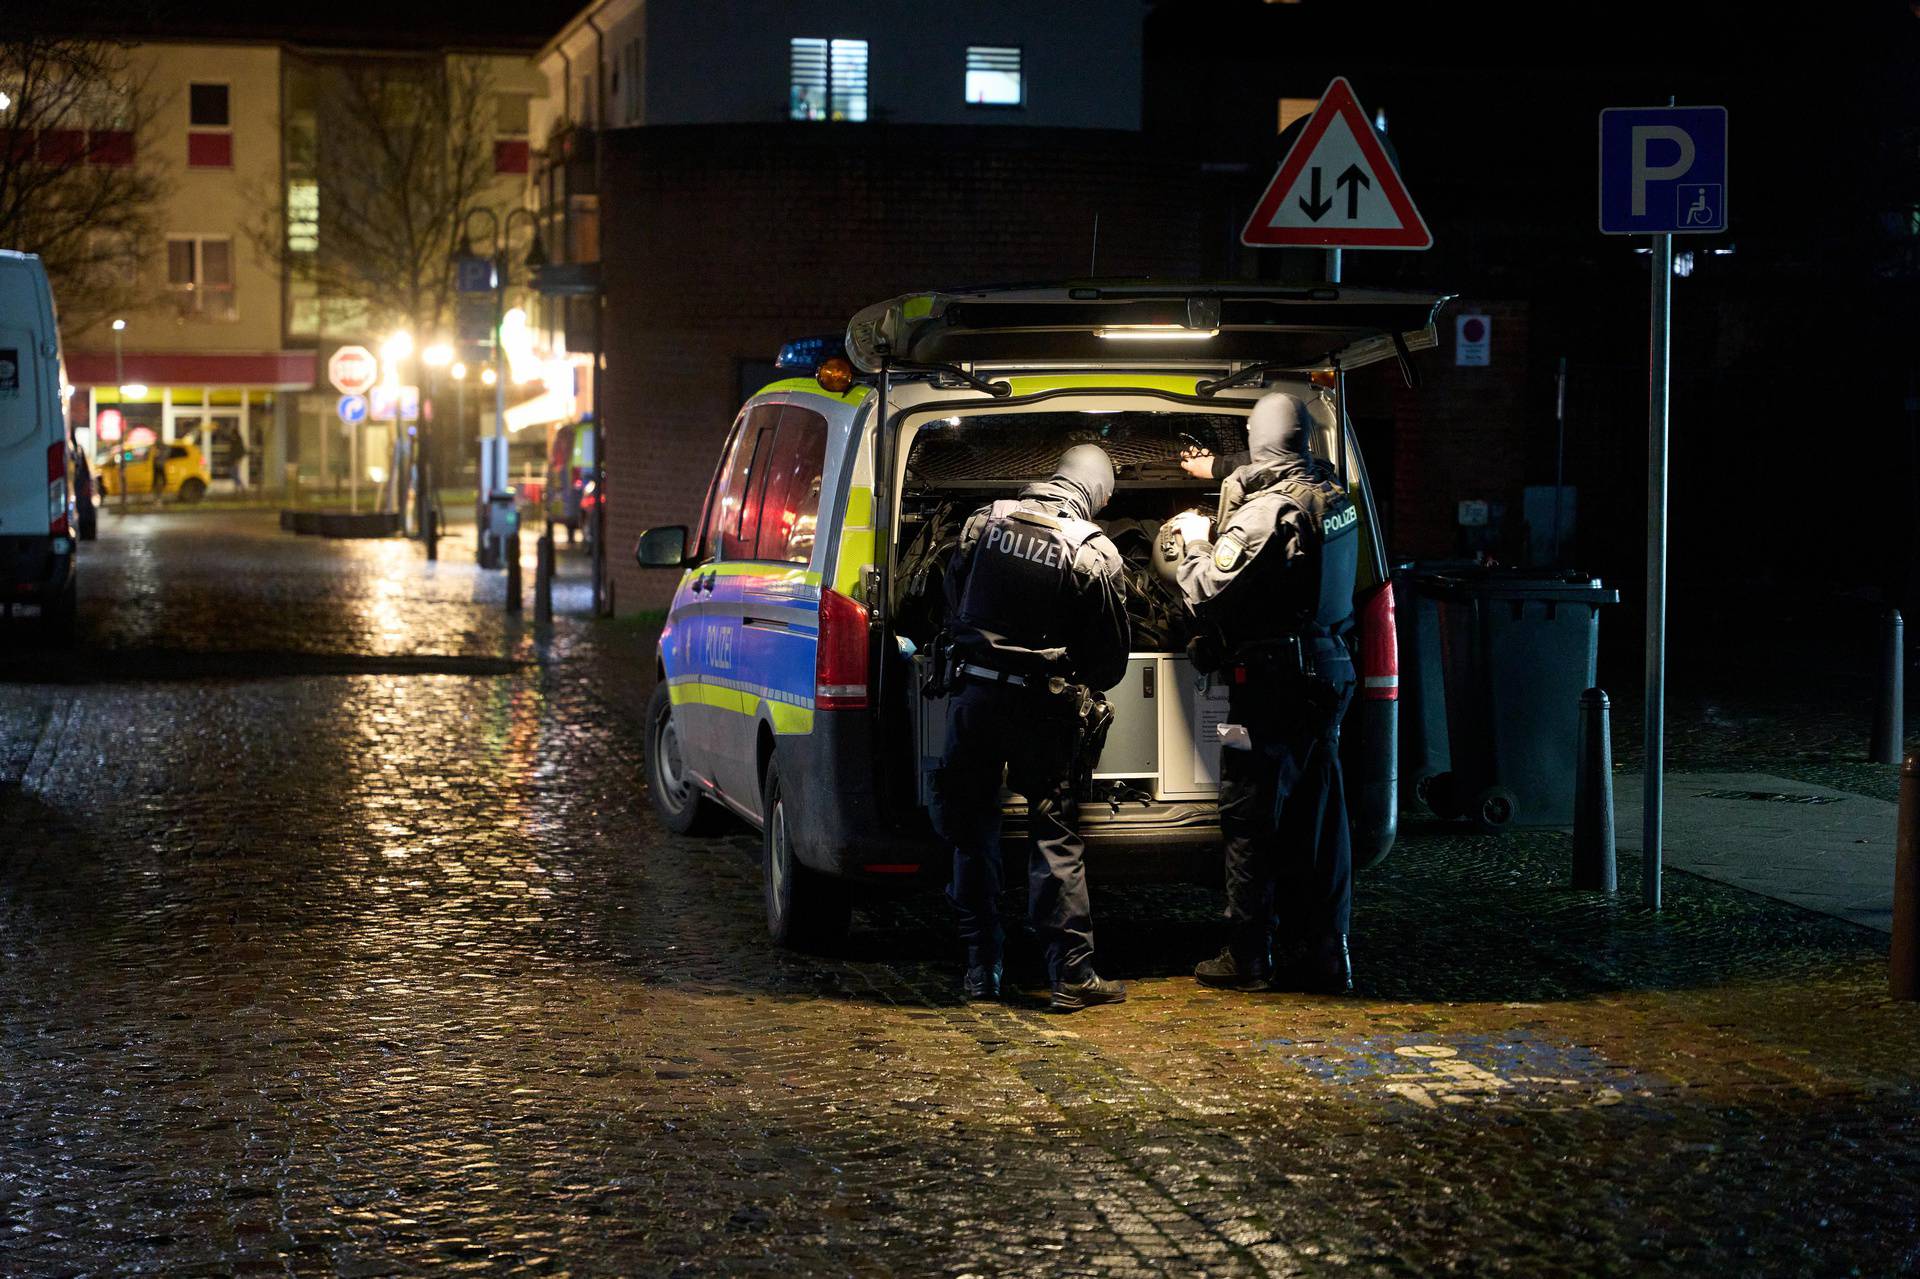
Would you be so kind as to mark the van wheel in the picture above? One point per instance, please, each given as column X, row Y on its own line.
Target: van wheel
column 192, row 490
column 805, row 909
column 675, row 795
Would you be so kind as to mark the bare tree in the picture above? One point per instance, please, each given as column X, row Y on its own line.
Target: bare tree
column 392, row 152
column 81, row 182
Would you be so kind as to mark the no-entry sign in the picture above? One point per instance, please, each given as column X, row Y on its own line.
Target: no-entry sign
column 352, row 370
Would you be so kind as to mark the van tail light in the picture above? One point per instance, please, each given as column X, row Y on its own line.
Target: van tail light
column 840, row 658
column 57, row 489
column 1379, row 647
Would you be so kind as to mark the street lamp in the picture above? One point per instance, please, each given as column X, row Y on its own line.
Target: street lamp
column 488, row 377
column 393, row 351
column 493, row 459
column 435, row 358
column 119, row 445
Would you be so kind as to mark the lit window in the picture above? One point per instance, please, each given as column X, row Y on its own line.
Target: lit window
column 303, row 216
column 829, row 80
column 993, row 76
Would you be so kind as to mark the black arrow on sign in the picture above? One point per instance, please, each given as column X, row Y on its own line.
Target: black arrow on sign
column 1318, row 209
column 1353, row 179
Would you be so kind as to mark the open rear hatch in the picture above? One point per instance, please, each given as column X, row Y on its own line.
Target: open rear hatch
column 1145, row 323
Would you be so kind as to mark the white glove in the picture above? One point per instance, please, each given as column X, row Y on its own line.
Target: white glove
column 1192, row 526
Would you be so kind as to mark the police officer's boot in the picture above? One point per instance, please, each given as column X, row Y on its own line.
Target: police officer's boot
column 1072, row 996
column 982, row 981
column 1244, row 962
column 1320, row 967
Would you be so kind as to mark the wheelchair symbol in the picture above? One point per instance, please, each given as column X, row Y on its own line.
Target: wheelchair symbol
column 1698, row 205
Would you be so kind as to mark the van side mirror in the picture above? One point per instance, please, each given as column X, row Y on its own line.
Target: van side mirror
column 664, row 547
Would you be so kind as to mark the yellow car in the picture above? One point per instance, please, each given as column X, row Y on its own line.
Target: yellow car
column 185, row 470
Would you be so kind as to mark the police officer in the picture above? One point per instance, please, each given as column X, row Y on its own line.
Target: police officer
column 1036, row 613
column 1274, row 596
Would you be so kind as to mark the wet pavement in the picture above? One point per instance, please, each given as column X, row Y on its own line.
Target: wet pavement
column 336, row 938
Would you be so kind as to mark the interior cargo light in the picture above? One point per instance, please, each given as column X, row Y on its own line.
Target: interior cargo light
column 834, row 374
column 1325, row 379
column 1155, row 333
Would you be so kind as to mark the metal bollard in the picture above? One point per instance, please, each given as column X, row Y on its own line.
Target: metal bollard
column 1906, row 886
column 430, row 530
column 1593, row 859
column 513, row 571
column 543, row 577
column 1889, row 730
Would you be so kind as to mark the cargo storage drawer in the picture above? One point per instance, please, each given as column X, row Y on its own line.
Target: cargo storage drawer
column 1162, row 741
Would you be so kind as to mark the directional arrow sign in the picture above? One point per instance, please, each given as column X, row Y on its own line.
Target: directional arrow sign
column 1337, row 189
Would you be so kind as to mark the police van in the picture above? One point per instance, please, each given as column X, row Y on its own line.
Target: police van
column 37, row 503
column 795, row 687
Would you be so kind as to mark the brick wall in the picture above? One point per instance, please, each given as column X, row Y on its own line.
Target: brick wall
column 722, row 242
column 1462, row 433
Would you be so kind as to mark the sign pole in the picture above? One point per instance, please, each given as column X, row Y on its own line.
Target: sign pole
column 1662, row 298
column 353, row 469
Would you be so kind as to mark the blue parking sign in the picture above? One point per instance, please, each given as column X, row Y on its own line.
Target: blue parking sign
column 1663, row 170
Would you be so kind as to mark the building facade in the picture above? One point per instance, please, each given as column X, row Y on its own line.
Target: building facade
column 731, row 177
column 231, row 344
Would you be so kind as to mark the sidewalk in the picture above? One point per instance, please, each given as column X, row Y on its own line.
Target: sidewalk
column 1825, row 849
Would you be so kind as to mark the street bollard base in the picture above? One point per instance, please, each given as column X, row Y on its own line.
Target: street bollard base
column 543, row 577
column 1594, row 864
column 513, row 573
column 1889, row 729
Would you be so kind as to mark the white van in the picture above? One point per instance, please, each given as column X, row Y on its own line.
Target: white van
column 36, row 478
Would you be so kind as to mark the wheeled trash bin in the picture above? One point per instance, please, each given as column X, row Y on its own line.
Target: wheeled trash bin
column 1517, row 651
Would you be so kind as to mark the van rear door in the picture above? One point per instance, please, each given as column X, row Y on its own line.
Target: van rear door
column 31, row 487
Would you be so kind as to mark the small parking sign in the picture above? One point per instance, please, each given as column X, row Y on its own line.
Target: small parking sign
column 1663, row 170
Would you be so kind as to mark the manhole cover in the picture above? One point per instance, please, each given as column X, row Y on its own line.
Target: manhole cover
column 1770, row 796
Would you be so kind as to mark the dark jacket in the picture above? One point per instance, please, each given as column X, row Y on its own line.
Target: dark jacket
column 1055, row 605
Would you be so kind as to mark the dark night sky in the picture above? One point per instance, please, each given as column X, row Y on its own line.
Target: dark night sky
column 400, row 24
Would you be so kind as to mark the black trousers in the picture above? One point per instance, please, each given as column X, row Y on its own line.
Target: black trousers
column 1283, row 815
column 1032, row 737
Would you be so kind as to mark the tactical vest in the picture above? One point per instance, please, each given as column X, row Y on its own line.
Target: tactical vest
column 1316, row 602
column 1018, row 601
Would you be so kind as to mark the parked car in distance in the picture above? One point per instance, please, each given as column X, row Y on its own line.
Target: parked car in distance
column 132, row 467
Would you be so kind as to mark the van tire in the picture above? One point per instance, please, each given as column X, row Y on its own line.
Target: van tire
column 192, row 489
column 805, row 909
column 674, row 794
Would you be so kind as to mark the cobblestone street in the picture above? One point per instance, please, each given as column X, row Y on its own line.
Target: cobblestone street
column 337, row 937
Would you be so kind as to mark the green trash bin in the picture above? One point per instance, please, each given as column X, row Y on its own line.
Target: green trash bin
column 1517, row 650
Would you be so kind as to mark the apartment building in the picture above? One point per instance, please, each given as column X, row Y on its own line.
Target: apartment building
column 231, row 345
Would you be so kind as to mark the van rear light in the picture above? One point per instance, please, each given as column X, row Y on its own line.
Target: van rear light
column 57, row 489
column 1379, row 647
column 840, row 657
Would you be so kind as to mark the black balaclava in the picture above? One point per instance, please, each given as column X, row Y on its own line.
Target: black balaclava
column 1279, row 430
column 1088, row 471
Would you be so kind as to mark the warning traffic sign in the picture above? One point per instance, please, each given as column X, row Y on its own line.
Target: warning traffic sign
column 1337, row 189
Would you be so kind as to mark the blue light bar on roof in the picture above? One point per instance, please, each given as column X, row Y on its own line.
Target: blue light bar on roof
column 808, row 354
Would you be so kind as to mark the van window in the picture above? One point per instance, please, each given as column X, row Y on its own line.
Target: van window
column 710, row 511
column 739, row 514
column 790, row 503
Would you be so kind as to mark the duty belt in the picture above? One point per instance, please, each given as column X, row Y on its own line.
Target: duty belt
column 1051, row 684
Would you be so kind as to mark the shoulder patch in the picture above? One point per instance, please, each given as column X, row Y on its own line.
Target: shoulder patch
column 1227, row 552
